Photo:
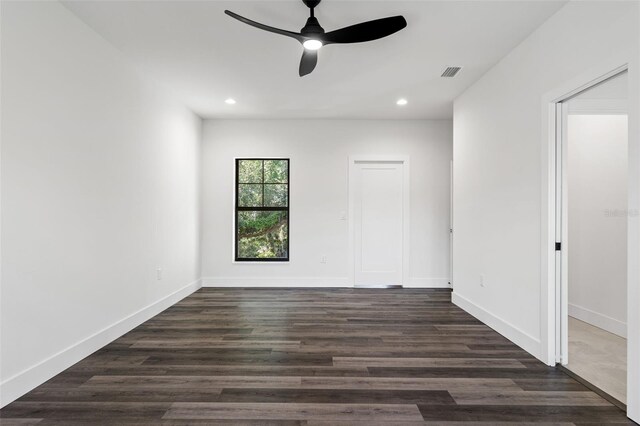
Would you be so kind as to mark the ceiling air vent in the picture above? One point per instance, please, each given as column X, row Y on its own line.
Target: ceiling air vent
column 451, row 72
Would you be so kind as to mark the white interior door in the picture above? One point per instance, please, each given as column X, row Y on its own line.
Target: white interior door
column 378, row 222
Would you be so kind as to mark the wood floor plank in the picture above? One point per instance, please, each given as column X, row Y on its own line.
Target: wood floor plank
column 87, row 411
column 215, row 343
column 428, row 423
column 301, row 357
column 426, row 362
column 493, row 372
column 536, row 398
column 218, row 370
column 19, row 422
column 292, row 382
column 338, row 396
column 295, row 411
column 111, row 394
column 407, row 383
column 164, row 382
column 549, row 384
column 600, row 415
column 175, row 422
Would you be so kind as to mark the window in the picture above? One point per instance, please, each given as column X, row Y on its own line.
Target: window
column 262, row 210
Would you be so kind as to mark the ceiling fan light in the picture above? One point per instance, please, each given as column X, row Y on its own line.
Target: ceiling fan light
column 402, row 102
column 312, row 44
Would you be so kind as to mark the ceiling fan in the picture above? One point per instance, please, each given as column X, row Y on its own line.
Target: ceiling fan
column 313, row 36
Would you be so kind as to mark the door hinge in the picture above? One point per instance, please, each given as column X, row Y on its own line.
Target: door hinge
column 558, row 246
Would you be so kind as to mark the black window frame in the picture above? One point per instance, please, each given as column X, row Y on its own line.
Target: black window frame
column 239, row 209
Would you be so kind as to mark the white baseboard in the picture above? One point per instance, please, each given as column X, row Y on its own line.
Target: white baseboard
column 317, row 282
column 517, row 336
column 427, row 283
column 599, row 320
column 276, row 282
column 16, row 386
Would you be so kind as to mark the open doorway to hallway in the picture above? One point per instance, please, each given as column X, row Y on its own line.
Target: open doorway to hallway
column 593, row 218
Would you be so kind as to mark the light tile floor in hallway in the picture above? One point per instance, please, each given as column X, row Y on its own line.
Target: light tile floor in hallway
column 599, row 357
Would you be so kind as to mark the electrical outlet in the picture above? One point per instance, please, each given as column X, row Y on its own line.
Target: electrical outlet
column 481, row 280
column 159, row 274
column 323, row 259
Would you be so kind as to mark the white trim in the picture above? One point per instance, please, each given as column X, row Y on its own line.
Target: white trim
column 310, row 282
column 598, row 107
column 562, row 229
column 450, row 281
column 284, row 282
column 548, row 322
column 511, row 332
column 23, row 382
column 599, row 320
column 406, row 210
column 413, row 282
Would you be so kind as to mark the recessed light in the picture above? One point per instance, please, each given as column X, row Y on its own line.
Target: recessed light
column 230, row 101
column 402, row 102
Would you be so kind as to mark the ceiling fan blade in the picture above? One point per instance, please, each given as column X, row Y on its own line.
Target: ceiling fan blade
column 366, row 31
column 264, row 27
column 308, row 62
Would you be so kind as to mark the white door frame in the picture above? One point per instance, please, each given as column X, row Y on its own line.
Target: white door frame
column 406, row 191
column 551, row 295
column 451, row 224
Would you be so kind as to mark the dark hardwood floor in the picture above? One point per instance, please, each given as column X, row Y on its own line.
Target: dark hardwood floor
column 312, row 357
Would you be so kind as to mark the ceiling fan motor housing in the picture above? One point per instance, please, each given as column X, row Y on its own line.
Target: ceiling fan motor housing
column 311, row 3
column 312, row 27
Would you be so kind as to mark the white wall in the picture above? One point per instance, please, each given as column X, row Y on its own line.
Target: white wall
column 502, row 175
column 499, row 163
column 319, row 151
column 597, row 220
column 99, row 188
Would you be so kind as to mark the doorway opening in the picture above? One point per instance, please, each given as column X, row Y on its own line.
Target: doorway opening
column 591, row 235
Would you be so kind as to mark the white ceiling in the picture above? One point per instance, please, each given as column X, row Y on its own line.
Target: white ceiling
column 204, row 56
